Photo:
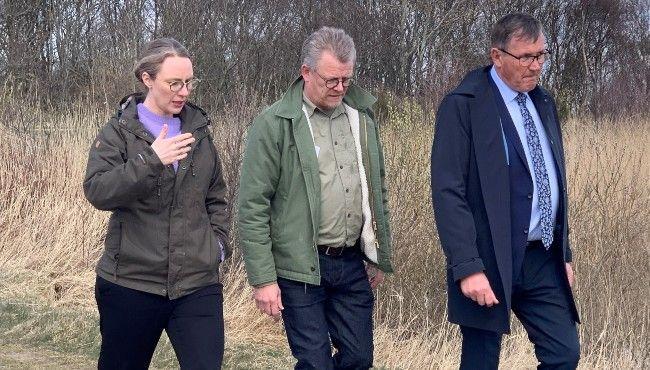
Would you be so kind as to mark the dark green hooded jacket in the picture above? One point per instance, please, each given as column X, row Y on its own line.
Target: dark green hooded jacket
column 167, row 229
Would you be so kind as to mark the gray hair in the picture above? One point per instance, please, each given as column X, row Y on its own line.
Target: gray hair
column 517, row 25
column 154, row 54
column 334, row 40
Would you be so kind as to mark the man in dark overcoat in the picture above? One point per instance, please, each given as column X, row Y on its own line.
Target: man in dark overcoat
column 499, row 192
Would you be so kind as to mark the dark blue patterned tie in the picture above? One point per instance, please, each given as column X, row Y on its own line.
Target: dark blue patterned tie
column 541, row 176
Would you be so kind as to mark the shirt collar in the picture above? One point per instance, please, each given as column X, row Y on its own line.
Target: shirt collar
column 507, row 93
column 311, row 108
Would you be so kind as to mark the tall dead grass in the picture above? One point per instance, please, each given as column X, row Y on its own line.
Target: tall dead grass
column 50, row 237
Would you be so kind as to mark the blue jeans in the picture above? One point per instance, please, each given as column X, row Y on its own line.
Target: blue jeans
column 339, row 309
column 131, row 322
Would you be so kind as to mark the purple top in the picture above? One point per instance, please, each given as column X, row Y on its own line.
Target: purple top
column 154, row 123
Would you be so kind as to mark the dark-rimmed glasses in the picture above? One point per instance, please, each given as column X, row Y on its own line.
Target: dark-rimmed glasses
column 177, row 85
column 527, row 60
column 332, row 83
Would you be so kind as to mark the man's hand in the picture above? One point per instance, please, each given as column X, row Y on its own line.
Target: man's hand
column 569, row 274
column 172, row 149
column 477, row 287
column 268, row 300
column 375, row 275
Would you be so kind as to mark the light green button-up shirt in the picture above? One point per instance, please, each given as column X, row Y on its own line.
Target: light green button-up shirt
column 341, row 217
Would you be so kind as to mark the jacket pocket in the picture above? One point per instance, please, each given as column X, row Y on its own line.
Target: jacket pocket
column 215, row 252
column 113, row 244
column 119, row 248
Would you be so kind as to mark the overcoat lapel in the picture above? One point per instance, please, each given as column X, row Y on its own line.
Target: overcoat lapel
column 493, row 174
column 516, row 142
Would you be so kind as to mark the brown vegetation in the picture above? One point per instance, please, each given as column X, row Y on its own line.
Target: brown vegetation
column 50, row 237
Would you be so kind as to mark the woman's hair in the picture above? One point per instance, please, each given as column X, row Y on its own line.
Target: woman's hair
column 154, row 54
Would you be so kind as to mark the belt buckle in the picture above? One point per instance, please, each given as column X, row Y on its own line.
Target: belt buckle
column 336, row 254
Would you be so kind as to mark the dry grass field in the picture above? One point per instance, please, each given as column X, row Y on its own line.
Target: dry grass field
column 50, row 239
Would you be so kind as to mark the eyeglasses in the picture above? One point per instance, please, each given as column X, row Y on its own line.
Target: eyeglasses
column 177, row 85
column 527, row 60
column 334, row 82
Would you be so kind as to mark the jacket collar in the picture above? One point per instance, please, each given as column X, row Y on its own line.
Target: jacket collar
column 474, row 83
column 192, row 117
column 290, row 105
column 507, row 93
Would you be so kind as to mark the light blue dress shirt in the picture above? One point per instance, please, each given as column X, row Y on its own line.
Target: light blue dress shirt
column 508, row 95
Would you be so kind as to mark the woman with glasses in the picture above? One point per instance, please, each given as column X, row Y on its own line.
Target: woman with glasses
column 155, row 168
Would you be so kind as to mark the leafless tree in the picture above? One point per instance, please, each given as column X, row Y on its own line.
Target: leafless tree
column 60, row 51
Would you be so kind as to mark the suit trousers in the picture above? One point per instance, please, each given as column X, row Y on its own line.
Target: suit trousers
column 339, row 309
column 541, row 302
column 131, row 322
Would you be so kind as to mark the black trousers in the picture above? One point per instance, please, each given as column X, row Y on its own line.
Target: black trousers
column 132, row 321
column 541, row 302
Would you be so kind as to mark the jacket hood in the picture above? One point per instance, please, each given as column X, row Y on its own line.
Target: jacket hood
column 473, row 82
column 290, row 105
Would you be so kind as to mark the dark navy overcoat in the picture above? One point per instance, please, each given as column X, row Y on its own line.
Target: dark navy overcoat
column 470, row 183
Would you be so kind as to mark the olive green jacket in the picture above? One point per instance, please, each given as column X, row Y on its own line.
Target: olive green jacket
column 279, row 195
column 166, row 229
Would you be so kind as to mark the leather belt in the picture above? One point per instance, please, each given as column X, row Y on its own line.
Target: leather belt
column 333, row 251
column 534, row 243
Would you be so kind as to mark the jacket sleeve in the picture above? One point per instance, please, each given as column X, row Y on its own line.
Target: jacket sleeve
column 216, row 204
column 450, row 157
column 259, row 178
column 114, row 180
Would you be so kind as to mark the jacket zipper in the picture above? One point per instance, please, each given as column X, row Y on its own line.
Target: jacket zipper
column 369, row 184
column 315, row 236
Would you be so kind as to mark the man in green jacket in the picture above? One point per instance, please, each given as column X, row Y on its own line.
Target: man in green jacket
column 313, row 212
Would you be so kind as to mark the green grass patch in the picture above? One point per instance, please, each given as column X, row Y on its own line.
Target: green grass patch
column 70, row 338
column 62, row 330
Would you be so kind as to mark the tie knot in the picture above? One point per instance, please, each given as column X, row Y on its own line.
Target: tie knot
column 521, row 98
